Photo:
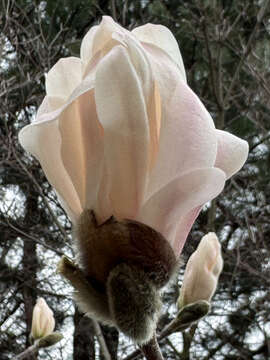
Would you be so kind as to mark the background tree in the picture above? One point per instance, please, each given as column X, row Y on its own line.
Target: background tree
column 226, row 49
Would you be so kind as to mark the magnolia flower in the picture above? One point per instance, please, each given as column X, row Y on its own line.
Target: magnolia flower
column 120, row 132
column 42, row 321
column 202, row 272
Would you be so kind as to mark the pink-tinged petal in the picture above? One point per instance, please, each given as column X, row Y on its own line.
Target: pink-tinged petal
column 122, row 112
column 150, row 90
column 232, row 153
column 183, row 228
column 72, row 215
column 43, row 140
column 103, row 207
column 64, row 77
column 40, row 147
column 187, row 133
column 140, row 62
column 162, row 37
column 82, row 146
column 164, row 209
column 154, row 118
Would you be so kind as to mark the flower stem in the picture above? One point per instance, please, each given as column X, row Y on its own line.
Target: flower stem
column 151, row 350
column 31, row 350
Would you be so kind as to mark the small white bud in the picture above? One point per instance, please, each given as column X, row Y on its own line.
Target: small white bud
column 202, row 272
column 43, row 320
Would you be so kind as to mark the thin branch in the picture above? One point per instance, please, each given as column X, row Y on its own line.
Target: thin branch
column 265, row 138
column 42, row 195
column 247, row 50
column 101, row 340
column 60, row 253
column 168, row 341
column 113, row 9
column 212, row 66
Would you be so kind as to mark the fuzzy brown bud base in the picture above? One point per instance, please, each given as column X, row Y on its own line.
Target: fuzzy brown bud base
column 122, row 265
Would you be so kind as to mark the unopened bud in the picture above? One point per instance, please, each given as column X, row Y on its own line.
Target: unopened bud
column 50, row 339
column 43, row 320
column 202, row 272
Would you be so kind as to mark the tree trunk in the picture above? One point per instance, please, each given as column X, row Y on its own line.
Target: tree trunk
column 84, row 342
column 30, row 265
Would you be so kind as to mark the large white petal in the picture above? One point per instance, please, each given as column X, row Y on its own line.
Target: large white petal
column 98, row 41
column 164, row 209
column 103, row 207
column 150, row 90
column 187, row 135
column 43, row 140
column 86, row 51
column 47, row 113
column 232, row 153
column 122, row 112
column 104, row 33
column 44, row 108
column 162, row 37
column 82, row 146
column 64, row 77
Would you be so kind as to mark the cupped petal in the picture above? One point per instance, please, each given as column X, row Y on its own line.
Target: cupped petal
column 122, row 112
column 164, row 209
column 232, row 152
column 64, row 77
column 47, row 113
column 140, row 62
column 82, row 147
column 44, row 108
column 99, row 41
column 104, row 33
column 46, row 132
column 86, row 51
column 187, row 132
column 43, row 140
column 162, row 37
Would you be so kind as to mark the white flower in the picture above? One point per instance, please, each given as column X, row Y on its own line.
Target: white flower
column 120, row 132
column 42, row 321
column 202, row 272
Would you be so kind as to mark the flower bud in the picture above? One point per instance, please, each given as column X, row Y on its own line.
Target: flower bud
column 43, row 321
column 202, row 272
column 50, row 339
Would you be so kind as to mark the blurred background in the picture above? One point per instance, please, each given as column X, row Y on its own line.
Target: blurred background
column 226, row 51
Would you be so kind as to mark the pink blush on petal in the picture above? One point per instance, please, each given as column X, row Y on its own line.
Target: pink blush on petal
column 183, row 230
